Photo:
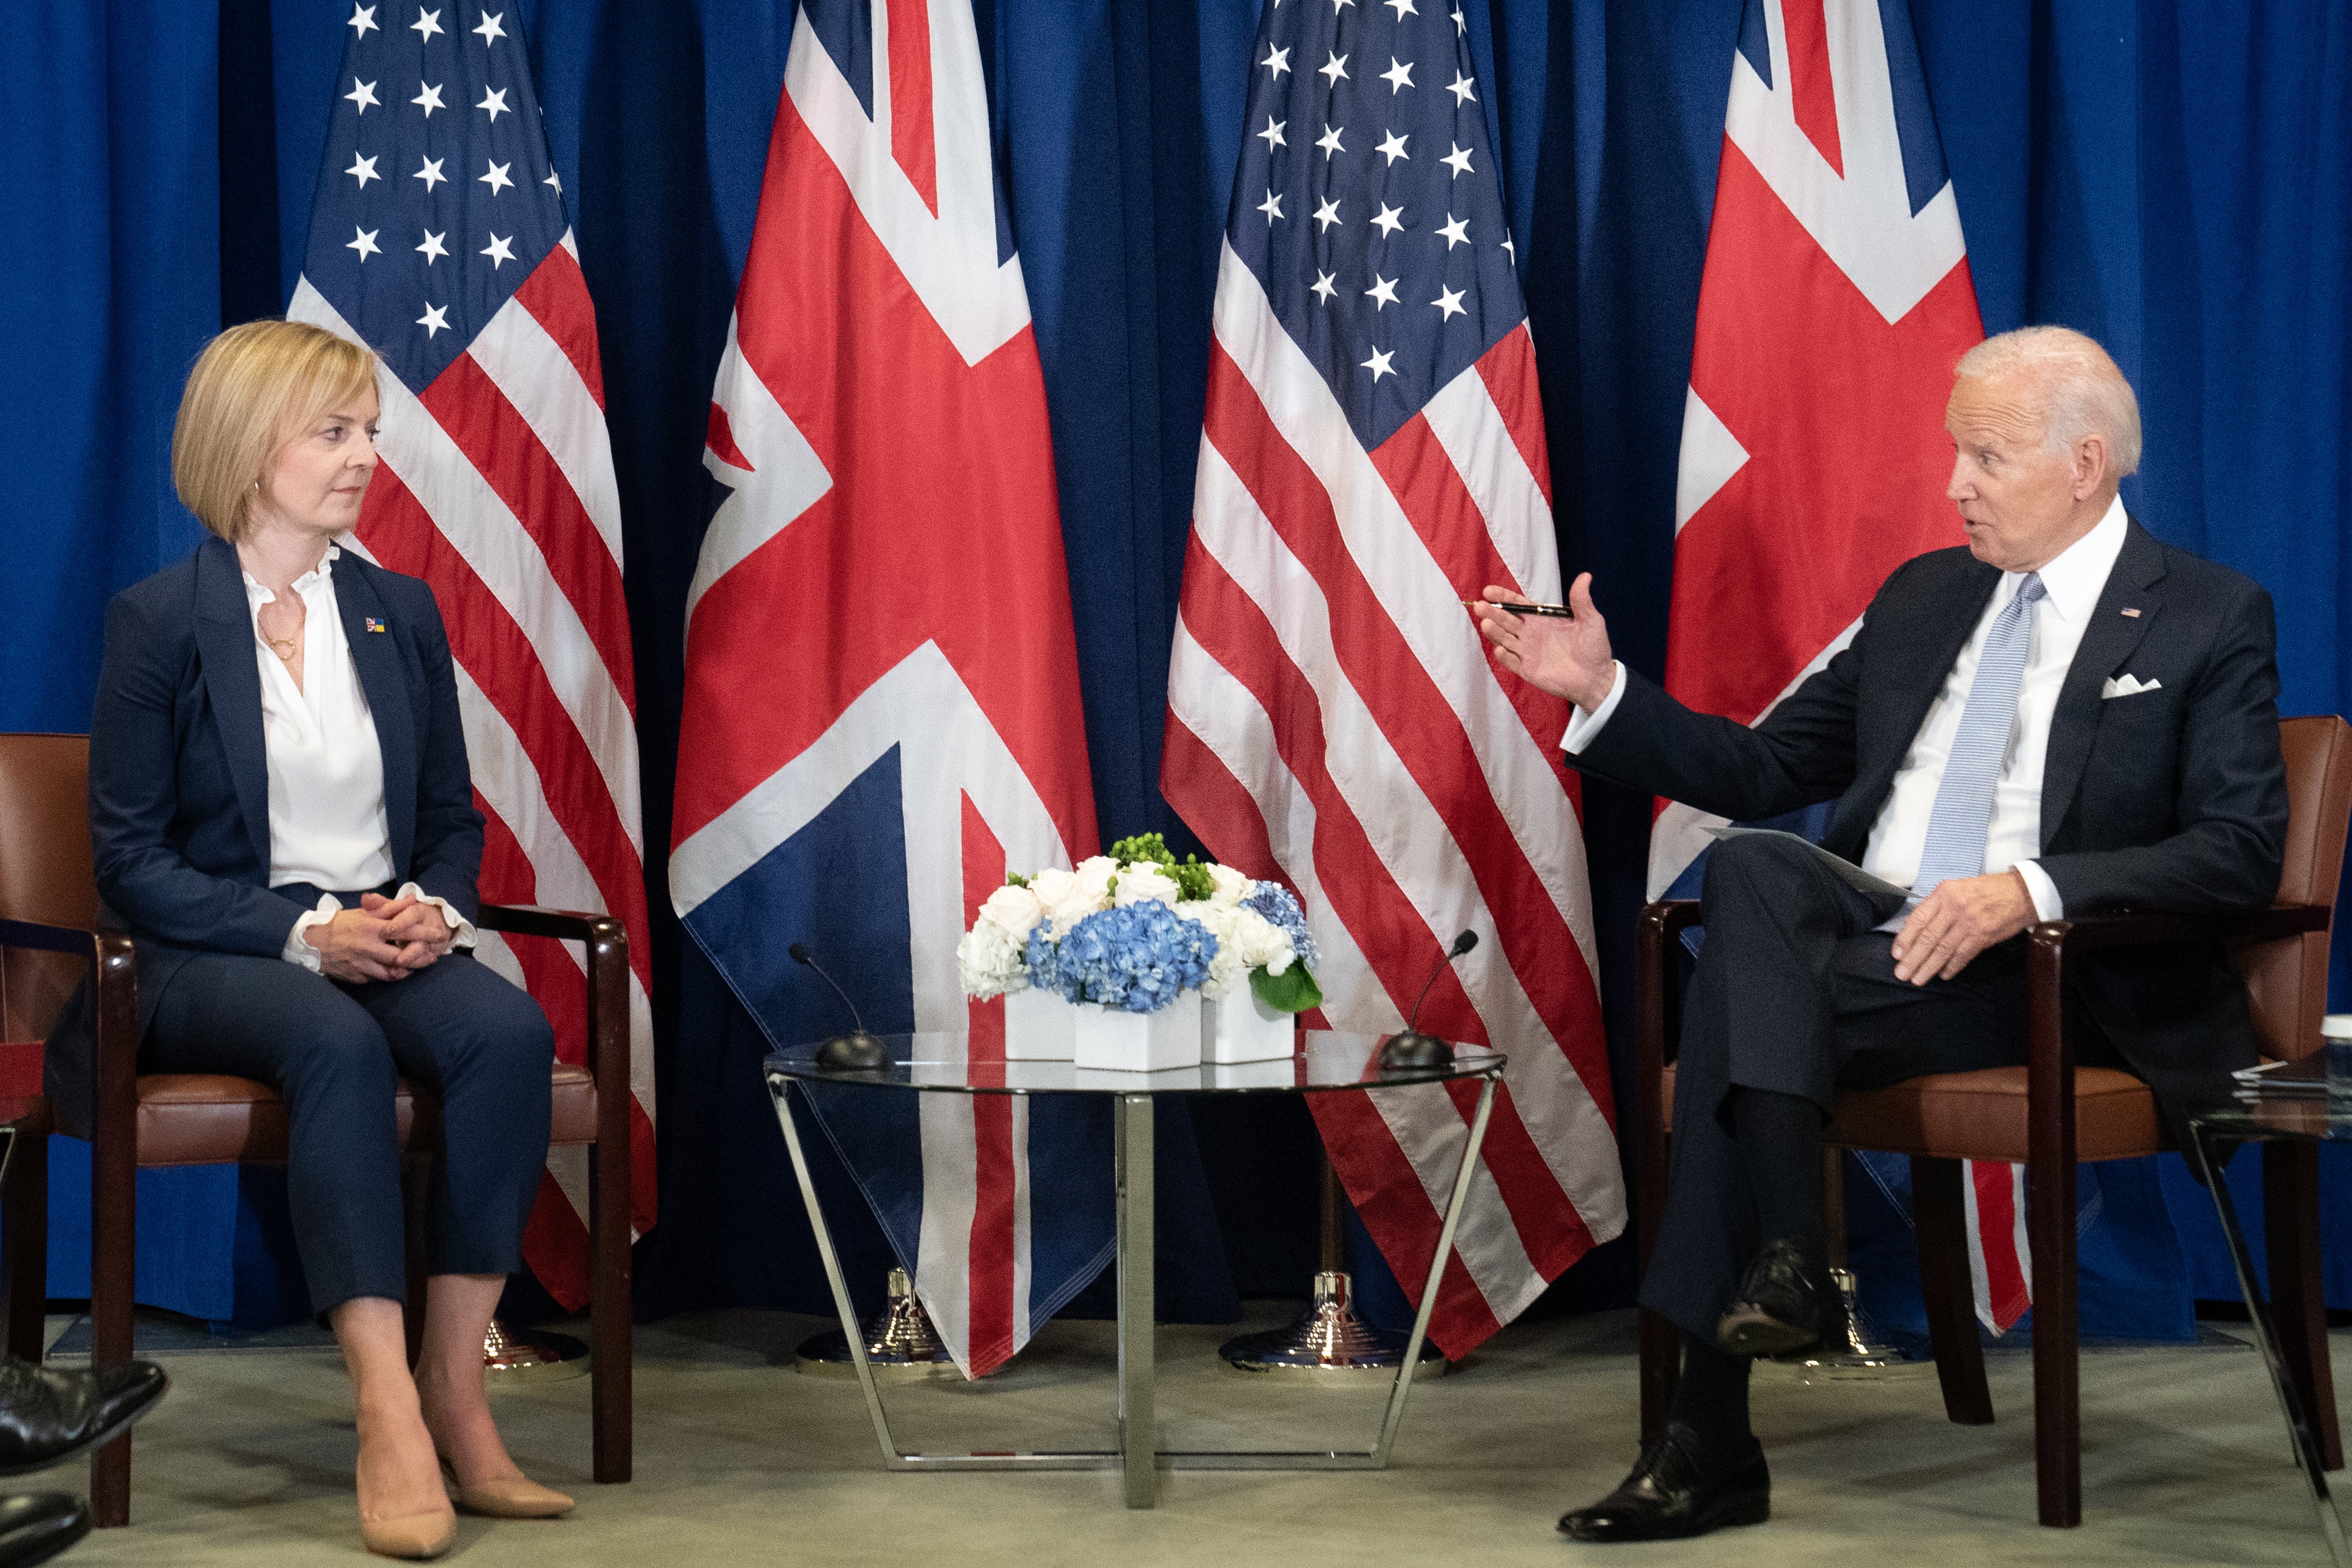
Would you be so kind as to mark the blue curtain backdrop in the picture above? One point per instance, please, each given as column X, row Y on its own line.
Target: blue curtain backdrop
column 2171, row 178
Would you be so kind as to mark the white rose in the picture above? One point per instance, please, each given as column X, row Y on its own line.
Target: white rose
column 1052, row 887
column 1014, row 910
column 1145, row 880
column 1230, row 887
column 1089, row 891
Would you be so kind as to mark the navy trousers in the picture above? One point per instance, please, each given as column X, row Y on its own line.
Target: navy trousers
column 1796, row 993
column 334, row 1051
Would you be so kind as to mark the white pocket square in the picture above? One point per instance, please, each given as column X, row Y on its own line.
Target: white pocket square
column 2128, row 686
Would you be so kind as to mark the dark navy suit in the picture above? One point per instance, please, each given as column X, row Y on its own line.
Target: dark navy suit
column 2172, row 799
column 179, row 806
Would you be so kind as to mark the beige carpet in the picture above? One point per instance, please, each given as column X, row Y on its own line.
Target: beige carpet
column 742, row 1460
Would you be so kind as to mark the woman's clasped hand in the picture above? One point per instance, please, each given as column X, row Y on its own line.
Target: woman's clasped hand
column 384, row 939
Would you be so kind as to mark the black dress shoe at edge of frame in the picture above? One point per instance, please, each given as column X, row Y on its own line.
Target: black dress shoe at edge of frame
column 1778, row 1306
column 49, row 1414
column 36, row 1526
column 1670, row 1496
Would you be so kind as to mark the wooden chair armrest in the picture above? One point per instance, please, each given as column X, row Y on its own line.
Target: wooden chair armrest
column 537, row 919
column 45, row 938
column 607, row 942
column 1669, row 917
column 2050, row 1058
column 113, row 1014
column 2155, row 930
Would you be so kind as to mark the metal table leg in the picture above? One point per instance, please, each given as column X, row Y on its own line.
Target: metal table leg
column 893, row 1457
column 1139, row 1428
column 2258, row 1308
column 849, row 1323
column 1395, row 1416
column 1138, row 1456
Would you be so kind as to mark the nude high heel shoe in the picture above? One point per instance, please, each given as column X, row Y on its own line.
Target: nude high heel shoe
column 411, row 1535
column 510, row 1497
column 423, row 1534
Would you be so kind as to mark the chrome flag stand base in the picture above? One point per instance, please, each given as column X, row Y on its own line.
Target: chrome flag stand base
column 1328, row 1337
column 510, row 1358
column 1849, row 1350
column 901, row 1345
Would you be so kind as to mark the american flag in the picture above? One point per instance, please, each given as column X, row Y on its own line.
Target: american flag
column 1373, row 451
column 1836, row 299
column 882, row 710
column 496, row 487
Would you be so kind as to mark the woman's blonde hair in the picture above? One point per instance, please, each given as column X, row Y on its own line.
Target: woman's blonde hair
column 252, row 389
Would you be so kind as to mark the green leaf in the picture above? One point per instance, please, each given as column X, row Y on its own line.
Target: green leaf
column 1015, row 879
column 1292, row 991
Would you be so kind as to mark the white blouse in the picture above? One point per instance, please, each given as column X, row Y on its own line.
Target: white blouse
column 326, row 822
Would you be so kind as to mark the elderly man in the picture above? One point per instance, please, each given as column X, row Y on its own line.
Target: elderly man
column 2065, row 716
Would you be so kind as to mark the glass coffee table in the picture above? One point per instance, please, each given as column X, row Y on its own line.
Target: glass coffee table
column 2305, row 1118
column 1329, row 1063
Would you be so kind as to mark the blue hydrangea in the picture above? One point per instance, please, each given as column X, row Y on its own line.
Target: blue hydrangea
column 1045, row 960
column 1273, row 902
column 1137, row 958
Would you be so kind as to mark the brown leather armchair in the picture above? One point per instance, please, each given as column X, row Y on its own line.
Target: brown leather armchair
column 2049, row 1114
column 51, row 930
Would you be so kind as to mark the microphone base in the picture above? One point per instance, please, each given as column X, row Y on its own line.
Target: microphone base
column 856, row 1051
column 1413, row 1051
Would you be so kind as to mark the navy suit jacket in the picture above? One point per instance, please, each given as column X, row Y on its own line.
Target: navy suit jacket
column 179, row 783
column 2173, row 799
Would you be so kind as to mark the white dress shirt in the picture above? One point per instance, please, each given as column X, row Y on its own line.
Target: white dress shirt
column 327, row 823
column 2073, row 582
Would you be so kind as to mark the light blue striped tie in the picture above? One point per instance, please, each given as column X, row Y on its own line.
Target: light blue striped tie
column 1963, row 812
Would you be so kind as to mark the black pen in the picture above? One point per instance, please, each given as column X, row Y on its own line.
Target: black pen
column 1560, row 610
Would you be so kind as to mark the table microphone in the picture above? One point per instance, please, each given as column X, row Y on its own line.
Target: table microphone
column 856, row 1051
column 1413, row 1051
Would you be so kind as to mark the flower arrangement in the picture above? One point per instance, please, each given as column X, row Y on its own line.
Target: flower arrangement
column 1137, row 957
column 1134, row 929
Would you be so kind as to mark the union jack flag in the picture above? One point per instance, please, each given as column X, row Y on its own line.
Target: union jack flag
column 1372, row 452
column 881, row 708
column 1836, row 299
column 496, row 487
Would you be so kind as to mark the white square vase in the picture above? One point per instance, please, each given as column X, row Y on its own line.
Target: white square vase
column 1039, row 1026
column 1112, row 1039
column 1238, row 1027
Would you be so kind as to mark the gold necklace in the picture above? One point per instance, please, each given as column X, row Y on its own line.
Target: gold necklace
column 284, row 648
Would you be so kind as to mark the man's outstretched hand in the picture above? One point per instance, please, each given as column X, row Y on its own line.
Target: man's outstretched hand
column 1568, row 658
column 1957, row 920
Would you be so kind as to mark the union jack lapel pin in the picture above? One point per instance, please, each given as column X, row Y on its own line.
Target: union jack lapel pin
column 2133, row 614
column 375, row 626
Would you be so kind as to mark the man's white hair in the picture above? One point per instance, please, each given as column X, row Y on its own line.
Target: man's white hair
column 2080, row 391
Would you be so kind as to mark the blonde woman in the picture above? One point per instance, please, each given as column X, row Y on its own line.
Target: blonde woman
column 282, row 814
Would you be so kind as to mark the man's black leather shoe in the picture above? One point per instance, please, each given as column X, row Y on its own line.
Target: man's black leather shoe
column 36, row 1526
column 1671, row 1496
column 48, row 1414
column 1778, row 1306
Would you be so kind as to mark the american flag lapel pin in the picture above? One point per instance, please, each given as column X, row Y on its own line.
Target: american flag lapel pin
column 375, row 626
column 2133, row 614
